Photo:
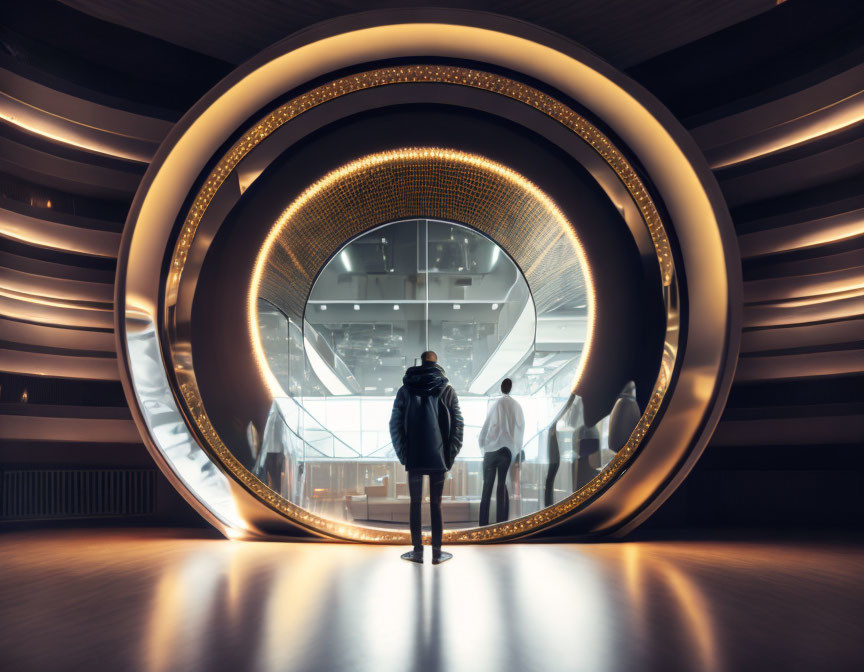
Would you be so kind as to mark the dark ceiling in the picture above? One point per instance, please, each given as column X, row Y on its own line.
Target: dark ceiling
column 624, row 32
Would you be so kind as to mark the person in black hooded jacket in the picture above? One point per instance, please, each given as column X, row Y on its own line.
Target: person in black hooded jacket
column 426, row 429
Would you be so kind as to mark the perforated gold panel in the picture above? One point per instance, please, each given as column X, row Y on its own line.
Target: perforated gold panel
column 421, row 182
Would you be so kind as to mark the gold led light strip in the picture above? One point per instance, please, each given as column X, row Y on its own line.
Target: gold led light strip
column 432, row 74
column 418, row 74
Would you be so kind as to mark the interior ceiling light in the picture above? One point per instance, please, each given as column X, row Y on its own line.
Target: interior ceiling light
column 395, row 306
column 456, row 306
column 346, row 261
column 356, row 306
column 494, row 306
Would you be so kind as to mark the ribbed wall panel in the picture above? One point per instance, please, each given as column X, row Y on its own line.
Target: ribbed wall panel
column 804, row 336
column 797, row 366
column 108, row 120
column 55, row 313
column 790, row 431
column 817, row 285
column 67, row 174
column 42, row 335
column 68, row 430
column 48, row 287
column 791, row 120
column 803, row 339
column 802, row 235
column 80, row 367
column 57, row 235
column 780, row 314
column 70, row 493
column 774, row 176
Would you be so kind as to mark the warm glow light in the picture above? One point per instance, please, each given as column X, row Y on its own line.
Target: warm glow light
column 839, row 295
column 834, row 117
column 382, row 158
column 59, row 129
column 47, row 233
column 54, row 303
column 803, row 235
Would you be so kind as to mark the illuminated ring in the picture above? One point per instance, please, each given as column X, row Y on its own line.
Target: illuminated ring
column 677, row 169
column 258, row 133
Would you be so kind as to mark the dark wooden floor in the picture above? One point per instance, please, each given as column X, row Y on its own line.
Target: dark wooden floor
column 183, row 601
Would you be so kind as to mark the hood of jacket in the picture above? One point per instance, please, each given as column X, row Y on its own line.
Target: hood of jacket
column 426, row 380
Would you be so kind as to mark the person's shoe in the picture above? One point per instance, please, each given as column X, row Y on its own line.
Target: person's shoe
column 413, row 556
column 440, row 556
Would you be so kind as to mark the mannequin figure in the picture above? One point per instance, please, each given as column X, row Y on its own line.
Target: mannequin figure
column 587, row 438
column 553, row 450
column 624, row 418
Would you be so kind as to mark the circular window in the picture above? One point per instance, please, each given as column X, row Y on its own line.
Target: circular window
column 385, row 297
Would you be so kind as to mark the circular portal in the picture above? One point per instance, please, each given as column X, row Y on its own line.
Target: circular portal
column 388, row 295
column 239, row 320
column 311, row 463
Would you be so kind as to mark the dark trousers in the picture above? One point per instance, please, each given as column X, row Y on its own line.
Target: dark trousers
column 496, row 462
column 415, row 489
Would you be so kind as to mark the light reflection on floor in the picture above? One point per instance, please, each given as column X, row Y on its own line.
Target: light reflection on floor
column 164, row 601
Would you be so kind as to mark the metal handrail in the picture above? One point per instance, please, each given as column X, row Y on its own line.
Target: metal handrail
column 320, row 424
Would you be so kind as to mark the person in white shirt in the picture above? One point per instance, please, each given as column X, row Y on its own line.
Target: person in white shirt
column 501, row 443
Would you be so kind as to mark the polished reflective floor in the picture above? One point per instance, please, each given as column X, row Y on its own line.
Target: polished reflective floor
column 160, row 600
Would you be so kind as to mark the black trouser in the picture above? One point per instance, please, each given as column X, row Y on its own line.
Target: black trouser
column 415, row 489
column 497, row 461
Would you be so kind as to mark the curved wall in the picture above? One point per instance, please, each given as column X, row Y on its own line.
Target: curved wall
column 798, row 392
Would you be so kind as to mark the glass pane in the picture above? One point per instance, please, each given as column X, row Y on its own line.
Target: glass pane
column 389, row 295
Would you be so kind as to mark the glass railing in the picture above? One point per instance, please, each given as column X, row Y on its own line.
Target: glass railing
column 329, row 471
